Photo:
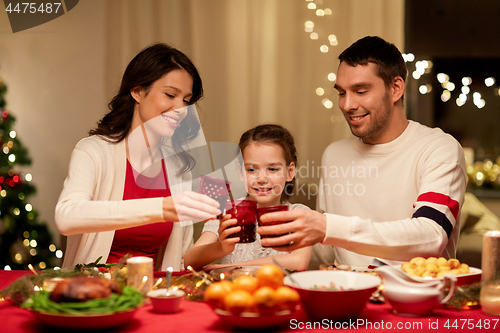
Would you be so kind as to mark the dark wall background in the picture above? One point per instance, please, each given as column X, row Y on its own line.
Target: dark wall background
column 453, row 28
column 461, row 38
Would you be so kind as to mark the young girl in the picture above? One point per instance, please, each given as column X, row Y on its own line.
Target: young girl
column 269, row 160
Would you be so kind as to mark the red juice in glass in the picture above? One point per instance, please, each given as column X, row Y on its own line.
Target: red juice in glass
column 245, row 212
column 264, row 210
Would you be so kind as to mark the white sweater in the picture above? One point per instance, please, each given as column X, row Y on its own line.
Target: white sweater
column 91, row 204
column 395, row 201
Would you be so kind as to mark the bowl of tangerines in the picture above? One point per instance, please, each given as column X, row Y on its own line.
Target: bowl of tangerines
column 253, row 301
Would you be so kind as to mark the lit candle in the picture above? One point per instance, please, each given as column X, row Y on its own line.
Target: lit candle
column 490, row 297
column 140, row 273
column 490, row 261
column 490, row 265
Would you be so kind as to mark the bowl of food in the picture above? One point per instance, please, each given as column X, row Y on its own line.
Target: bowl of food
column 253, row 301
column 165, row 301
column 333, row 295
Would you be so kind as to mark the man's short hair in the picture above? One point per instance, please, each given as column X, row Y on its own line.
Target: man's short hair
column 386, row 56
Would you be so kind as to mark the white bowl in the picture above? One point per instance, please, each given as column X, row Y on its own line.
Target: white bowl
column 164, row 303
column 334, row 304
column 413, row 302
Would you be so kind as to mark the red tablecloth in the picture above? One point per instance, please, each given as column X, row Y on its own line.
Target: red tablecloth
column 198, row 317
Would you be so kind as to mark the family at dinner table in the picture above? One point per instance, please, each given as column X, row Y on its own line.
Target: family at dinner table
column 130, row 185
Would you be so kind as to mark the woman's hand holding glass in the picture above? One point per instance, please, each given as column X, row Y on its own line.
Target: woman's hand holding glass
column 227, row 228
column 190, row 206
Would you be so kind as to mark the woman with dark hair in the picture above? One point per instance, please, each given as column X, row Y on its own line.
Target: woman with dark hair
column 130, row 179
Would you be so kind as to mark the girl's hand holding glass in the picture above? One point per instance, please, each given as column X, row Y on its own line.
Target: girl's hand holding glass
column 227, row 228
column 190, row 206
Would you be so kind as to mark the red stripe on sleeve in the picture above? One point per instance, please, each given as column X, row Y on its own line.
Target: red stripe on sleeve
column 441, row 199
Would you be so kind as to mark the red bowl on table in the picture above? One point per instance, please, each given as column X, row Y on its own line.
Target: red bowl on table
column 352, row 292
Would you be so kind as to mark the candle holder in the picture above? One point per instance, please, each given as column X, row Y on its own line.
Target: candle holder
column 140, row 273
column 489, row 296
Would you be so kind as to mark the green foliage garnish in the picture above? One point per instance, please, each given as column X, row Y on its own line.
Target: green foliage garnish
column 83, row 267
column 129, row 299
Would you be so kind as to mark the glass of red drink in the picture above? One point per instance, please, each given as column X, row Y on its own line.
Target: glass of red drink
column 264, row 210
column 245, row 212
column 217, row 189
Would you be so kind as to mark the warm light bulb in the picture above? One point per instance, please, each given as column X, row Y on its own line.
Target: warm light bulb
column 450, row 86
column 480, row 103
column 489, row 81
column 445, row 96
column 327, row 103
column 441, row 77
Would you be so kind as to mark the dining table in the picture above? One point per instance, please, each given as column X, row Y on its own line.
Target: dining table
column 199, row 317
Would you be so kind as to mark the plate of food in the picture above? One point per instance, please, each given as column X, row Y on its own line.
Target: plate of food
column 85, row 303
column 84, row 321
column 424, row 269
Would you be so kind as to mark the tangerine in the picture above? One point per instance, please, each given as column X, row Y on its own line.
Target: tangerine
column 215, row 293
column 287, row 298
column 265, row 300
column 239, row 301
column 270, row 276
column 245, row 282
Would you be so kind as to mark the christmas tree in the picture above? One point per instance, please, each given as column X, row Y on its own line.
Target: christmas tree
column 23, row 239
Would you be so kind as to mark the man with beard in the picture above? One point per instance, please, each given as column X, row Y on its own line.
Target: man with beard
column 394, row 190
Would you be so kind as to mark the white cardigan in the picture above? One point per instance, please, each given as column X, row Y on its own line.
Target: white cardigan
column 90, row 207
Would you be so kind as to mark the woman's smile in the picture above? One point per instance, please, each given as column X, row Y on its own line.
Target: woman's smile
column 172, row 121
